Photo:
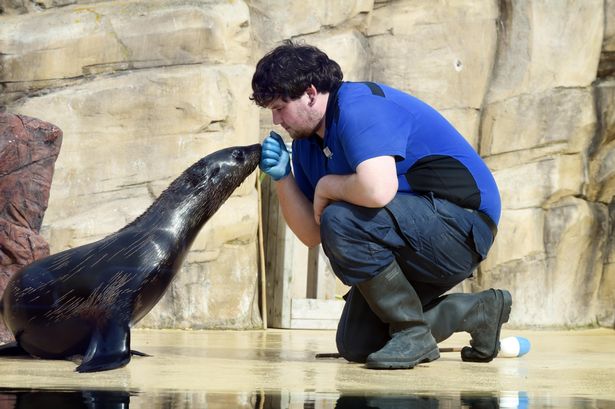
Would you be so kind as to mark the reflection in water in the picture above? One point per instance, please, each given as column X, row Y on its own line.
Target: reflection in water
column 37, row 399
column 107, row 399
column 415, row 402
column 418, row 401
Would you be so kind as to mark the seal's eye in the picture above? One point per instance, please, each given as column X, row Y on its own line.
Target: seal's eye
column 238, row 155
column 214, row 172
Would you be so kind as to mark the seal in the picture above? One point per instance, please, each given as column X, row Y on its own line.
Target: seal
column 83, row 301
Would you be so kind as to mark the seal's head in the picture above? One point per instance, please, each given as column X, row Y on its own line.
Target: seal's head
column 228, row 166
column 224, row 170
column 210, row 181
column 202, row 188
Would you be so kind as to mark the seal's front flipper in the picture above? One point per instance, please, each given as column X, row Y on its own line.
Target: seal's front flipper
column 109, row 349
column 12, row 349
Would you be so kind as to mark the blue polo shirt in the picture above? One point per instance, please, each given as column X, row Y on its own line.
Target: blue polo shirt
column 367, row 120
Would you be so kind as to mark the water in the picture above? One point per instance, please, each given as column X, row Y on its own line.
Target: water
column 119, row 399
column 279, row 369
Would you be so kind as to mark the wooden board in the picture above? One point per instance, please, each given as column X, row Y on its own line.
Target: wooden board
column 312, row 313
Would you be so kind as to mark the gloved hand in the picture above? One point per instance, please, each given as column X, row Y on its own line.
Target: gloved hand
column 275, row 160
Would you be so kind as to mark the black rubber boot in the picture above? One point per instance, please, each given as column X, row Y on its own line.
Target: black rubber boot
column 394, row 301
column 481, row 314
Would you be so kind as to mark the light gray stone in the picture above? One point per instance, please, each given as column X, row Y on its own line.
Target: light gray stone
column 606, row 293
column 29, row 6
column 606, row 297
column 602, row 157
column 76, row 40
column 602, row 170
column 562, row 118
column 466, row 121
column 347, row 48
column 605, row 102
column 546, row 44
column 609, row 29
column 520, row 237
column 575, row 241
column 551, row 179
column 551, row 260
column 276, row 20
column 528, row 281
column 441, row 52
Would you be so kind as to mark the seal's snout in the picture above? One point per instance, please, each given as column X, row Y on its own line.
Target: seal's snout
column 251, row 155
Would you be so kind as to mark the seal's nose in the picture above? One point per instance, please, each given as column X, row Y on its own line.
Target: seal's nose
column 251, row 154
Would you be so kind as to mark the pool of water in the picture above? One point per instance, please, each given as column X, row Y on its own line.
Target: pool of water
column 123, row 399
column 279, row 369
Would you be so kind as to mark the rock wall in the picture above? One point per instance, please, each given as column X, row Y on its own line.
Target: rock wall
column 142, row 88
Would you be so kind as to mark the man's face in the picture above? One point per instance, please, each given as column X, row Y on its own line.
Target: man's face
column 297, row 116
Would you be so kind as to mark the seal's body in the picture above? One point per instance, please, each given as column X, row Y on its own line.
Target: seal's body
column 83, row 301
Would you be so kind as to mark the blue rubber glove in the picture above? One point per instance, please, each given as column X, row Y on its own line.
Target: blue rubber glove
column 275, row 160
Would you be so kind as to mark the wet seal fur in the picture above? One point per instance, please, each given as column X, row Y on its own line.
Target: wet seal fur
column 83, row 301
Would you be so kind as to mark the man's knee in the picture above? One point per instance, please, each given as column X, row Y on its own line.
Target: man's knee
column 341, row 221
column 335, row 214
column 335, row 224
column 352, row 355
column 358, row 347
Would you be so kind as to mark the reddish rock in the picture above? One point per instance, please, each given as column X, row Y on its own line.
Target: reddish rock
column 28, row 150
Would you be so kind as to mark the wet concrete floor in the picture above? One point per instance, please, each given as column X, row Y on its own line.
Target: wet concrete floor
column 278, row 369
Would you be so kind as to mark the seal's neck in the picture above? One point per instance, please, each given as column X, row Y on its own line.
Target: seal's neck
column 181, row 212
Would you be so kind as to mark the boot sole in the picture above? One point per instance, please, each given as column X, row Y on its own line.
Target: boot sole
column 504, row 315
column 429, row 356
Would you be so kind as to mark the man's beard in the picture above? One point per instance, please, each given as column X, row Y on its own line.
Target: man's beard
column 305, row 132
column 297, row 134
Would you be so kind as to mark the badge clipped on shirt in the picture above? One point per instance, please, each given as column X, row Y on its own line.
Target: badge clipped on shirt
column 327, row 152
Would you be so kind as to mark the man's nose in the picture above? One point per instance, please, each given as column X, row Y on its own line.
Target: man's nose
column 276, row 118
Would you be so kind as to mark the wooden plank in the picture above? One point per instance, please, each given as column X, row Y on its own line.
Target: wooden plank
column 298, row 273
column 278, row 299
column 261, row 253
column 315, row 309
column 312, row 272
column 313, row 324
column 327, row 281
column 309, row 313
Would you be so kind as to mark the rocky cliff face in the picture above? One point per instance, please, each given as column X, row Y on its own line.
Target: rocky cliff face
column 142, row 88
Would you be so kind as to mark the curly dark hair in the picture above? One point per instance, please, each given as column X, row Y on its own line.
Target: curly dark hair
column 289, row 69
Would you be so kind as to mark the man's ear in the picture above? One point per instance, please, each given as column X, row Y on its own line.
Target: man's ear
column 311, row 92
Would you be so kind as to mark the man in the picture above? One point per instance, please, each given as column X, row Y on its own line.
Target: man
column 405, row 209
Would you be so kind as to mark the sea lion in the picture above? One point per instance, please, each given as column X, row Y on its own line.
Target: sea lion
column 83, row 301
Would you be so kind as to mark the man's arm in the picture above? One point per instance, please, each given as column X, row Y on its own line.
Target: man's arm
column 298, row 211
column 373, row 185
column 296, row 208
